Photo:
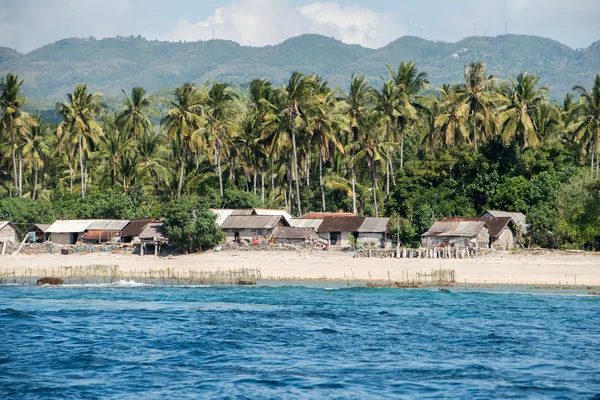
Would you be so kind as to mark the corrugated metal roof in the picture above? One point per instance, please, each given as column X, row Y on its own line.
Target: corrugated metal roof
column 306, row 223
column 294, row 233
column 3, row 224
column 495, row 225
column 154, row 230
column 221, row 214
column 242, row 212
column 519, row 218
column 264, row 211
column 69, row 225
column 341, row 224
column 374, row 225
column 109, row 224
column 455, row 228
column 321, row 215
column 42, row 227
column 252, row 222
column 136, row 226
column 81, row 225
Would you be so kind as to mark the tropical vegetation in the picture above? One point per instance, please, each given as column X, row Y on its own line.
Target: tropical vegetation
column 396, row 146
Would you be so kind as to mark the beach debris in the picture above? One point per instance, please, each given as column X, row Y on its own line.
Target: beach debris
column 50, row 281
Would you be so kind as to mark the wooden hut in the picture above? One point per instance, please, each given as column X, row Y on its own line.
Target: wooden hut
column 338, row 229
column 152, row 237
column 294, row 236
column 457, row 233
column 373, row 232
column 251, row 227
column 8, row 235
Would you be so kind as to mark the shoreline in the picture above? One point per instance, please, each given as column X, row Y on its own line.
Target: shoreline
column 558, row 269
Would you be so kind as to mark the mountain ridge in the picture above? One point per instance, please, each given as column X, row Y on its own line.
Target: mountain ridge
column 111, row 64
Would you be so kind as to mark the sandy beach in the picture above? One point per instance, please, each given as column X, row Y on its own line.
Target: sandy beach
column 522, row 268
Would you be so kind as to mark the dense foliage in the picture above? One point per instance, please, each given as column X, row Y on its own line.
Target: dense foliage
column 400, row 148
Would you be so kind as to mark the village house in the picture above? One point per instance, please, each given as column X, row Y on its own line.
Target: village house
column 518, row 218
column 373, row 232
column 223, row 213
column 38, row 233
column 152, row 237
column 88, row 230
column 251, row 227
column 131, row 233
column 338, row 229
column 294, row 236
column 8, row 235
column 457, row 233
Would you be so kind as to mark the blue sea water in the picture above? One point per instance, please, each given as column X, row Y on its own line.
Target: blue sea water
column 277, row 341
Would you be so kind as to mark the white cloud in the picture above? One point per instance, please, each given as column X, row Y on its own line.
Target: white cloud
column 265, row 22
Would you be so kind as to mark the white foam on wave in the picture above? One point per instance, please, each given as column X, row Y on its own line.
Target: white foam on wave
column 121, row 283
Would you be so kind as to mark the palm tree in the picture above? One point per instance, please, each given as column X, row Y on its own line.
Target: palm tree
column 358, row 101
column 13, row 119
column 114, row 146
column 36, row 149
column 374, row 149
column 515, row 119
column 409, row 83
column 183, row 119
column 294, row 96
column 477, row 95
column 387, row 104
column 324, row 120
column 133, row 117
column 79, row 117
column 588, row 129
column 451, row 122
column 221, row 119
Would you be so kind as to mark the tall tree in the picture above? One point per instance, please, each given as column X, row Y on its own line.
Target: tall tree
column 359, row 101
column 79, row 117
column 36, row 149
column 13, row 119
column 133, row 118
column 220, row 112
column 477, row 85
column 409, row 83
column 588, row 129
column 295, row 95
column 183, row 119
column 521, row 98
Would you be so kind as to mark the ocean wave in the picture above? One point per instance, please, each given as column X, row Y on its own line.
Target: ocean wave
column 121, row 283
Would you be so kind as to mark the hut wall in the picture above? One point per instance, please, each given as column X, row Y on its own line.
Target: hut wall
column 483, row 238
column 8, row 234
column 247, row 234
column 370, row 239
column 65, row 237
column 505, row 241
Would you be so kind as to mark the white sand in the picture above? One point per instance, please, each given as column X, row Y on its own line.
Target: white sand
column 552, row 268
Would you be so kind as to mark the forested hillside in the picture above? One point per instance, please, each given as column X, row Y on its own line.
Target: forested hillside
column 109, row 65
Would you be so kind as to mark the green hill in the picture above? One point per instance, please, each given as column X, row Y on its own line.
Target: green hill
column 108, row 65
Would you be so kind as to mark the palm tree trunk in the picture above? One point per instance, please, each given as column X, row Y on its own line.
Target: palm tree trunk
column 81, row 165
column 14, row 154
column 255, row 182
column 182, row 166
column 474, row 131
column 321, row 179
column 374, row 186
column 307, row 168
column 402, row 150
column 218, row 162
column 71, row 172
column 387, row 164
column 35, row 180
column 262, row 186
column 353, row 191
column 296, row 177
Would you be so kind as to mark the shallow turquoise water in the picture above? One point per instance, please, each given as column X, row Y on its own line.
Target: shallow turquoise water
column 128, row 341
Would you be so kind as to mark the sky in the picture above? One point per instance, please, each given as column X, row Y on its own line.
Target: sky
column 28, row 24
